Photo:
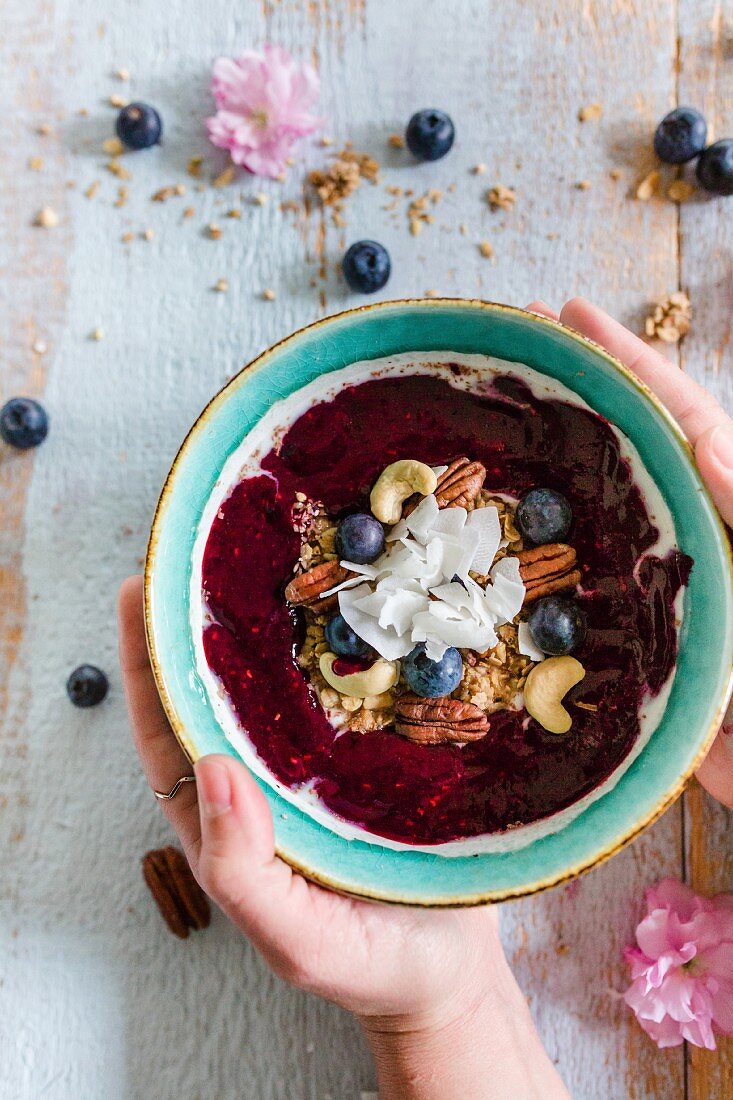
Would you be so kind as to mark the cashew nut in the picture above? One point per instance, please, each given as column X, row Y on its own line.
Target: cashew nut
column 546, row 687
column 398, row 482
column 381, row 676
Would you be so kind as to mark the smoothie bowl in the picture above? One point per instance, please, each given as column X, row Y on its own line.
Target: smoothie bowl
column 444, row 576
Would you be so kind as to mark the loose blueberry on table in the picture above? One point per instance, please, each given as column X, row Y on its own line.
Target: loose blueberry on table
column 715, row 167
column 23, row 423
column 430, row 134
column 431, row 689
column 366, row 266
column 139, row 126
column 680, row 136
column 87, row 686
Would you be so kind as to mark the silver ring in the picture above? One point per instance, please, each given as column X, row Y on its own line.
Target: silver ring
column 175, row 788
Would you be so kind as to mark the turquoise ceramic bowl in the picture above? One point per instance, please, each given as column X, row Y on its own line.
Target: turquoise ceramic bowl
column 702, row 683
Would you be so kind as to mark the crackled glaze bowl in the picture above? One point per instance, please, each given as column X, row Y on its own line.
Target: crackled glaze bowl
column 648, row 784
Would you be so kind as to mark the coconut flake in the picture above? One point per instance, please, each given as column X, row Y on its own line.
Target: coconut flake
column 420, row 522
column 527, row 645
column 485, row 522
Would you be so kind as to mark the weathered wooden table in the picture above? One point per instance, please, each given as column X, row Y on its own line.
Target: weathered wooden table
column 96, row 999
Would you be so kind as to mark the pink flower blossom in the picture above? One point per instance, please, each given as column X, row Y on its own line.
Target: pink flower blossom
column 682, row 968
column 263, row 102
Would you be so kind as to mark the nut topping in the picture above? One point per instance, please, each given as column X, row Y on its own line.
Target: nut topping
column 460, row 484
column 548, row 569
column 396, row 483
column 439, row 721
column 547, row 685
column 183, row 904
column 305, row 590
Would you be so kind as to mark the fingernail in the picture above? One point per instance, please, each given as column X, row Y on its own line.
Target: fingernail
column 721, row 445
column 214, row 787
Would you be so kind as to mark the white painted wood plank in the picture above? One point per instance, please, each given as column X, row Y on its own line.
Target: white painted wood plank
column 96, row 998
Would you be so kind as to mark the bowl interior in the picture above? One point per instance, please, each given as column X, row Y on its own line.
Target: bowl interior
column 701, row 685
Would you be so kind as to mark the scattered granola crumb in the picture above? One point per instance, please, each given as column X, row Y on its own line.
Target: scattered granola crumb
column 189, row 212
column 113, row 147
column 326, row 141
column 590, row 113
column 235, row 212
column 97, row 334
column 397, row 141
column 670, row 319
column 486, row 249
column 221, row 285
column 500, row 197
column 584, row 185
column 123, row 194
column 84, row 112
column 118, row 169
column 163, row 194
column 680, row 191
column 35, row 164
column 260, row 198
column 341, row 178
column 432, row 293
column 615, row 174
column 224, row 178
column 417, row 212
column 180, row 189
column 452, row 187
column 214, row 231
column 117, row 100
column 269, row 294
column 122, row 74
column 127, row 237
column 92, row 189
column 478, row 169
column 46, row 218
column 40, row 347
column 194, row 166
column 592, row 707
column 147, row 234
column 45, row 129
column 648, row 186
column 463, row 229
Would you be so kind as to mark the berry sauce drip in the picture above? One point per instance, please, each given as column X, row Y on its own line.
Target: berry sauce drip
column 393, row 787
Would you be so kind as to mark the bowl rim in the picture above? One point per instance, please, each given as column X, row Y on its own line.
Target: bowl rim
column 187, row 743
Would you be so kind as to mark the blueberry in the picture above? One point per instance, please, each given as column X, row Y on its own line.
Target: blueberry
column 680, row 135
column 87, row 686
column 139, row 126
column 366, row 266
column 343, row 641
column 433, row 679
column 23, row 423
column 429, row 134
column 715, row 167
column 543, row 516
column 557, row 625
column 360, row 538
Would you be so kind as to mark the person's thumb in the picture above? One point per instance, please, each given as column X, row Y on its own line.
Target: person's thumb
column 237, row 838
column 714, row 454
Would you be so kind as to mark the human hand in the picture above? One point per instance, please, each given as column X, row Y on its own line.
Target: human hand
column 428, row 985
column 709, row 430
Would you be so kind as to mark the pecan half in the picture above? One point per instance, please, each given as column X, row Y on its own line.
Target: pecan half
column 437, row 721
column 548, row 569
column 182, row 903
column 460, row 484
column 305, row 589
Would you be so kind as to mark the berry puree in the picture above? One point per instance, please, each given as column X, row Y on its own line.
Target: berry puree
column 518, row 773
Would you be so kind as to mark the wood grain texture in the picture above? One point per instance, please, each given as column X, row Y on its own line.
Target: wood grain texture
column 96, row 999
